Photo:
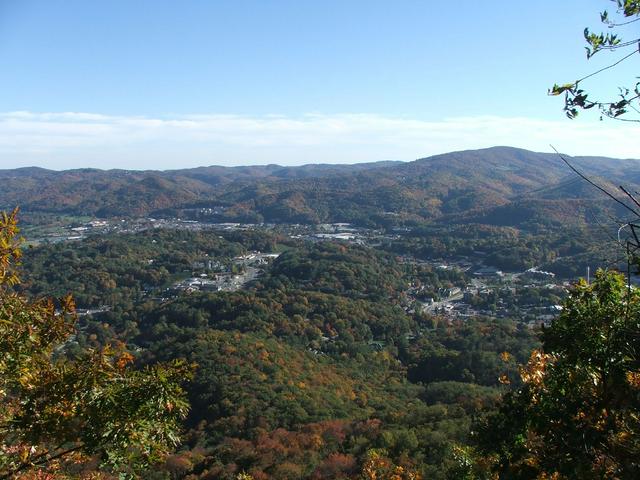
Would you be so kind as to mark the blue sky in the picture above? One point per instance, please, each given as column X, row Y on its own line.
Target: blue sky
column 170, row 84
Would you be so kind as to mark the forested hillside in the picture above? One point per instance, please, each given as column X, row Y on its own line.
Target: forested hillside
column 491, row 185
column 311, row 370
column 369, row 326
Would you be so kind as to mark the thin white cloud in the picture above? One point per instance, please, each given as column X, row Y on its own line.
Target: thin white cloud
column 76, row 139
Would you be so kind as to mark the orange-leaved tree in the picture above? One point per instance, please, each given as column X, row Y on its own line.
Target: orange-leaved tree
column 57, row 413
column 577, row 414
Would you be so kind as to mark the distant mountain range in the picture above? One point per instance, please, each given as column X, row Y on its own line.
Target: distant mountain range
column 499, row 185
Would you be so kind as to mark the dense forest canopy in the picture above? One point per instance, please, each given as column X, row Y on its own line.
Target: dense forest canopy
column 392, row 320
column 311, row 370
column 339, row 350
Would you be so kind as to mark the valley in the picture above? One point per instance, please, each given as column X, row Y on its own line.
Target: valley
column 338, row 240
column 381, row 308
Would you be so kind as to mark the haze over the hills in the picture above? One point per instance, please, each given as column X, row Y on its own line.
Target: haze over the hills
column 151, row 85
column 76, row 140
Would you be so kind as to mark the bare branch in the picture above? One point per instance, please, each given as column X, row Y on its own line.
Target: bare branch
column 591, row 182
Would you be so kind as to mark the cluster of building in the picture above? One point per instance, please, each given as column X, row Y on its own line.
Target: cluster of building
column 250, row 266
column 491, row 292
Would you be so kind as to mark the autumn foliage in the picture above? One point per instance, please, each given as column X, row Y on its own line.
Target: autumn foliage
column 577, row 414
column 61, row 414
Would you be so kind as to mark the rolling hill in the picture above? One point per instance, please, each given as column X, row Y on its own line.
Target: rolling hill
column 501, row 185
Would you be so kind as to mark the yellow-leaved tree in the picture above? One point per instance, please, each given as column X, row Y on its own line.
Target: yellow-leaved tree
column 577, row 414
column 59, row 414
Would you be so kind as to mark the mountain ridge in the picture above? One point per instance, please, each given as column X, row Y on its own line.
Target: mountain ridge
column 383, row 193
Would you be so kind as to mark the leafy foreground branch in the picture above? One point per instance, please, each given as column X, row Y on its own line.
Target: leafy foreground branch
column 578, row 412
column 63, row 415
column 625, row 106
